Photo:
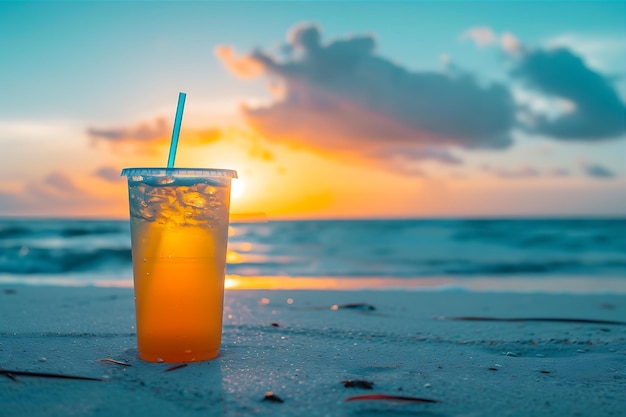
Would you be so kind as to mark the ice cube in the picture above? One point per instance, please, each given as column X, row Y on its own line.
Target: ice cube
column 194, row 199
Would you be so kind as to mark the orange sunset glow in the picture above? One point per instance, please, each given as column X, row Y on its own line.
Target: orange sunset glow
column 284, row 182
column 321, row 118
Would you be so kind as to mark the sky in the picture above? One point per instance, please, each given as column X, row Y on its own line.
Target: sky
column 355, row 109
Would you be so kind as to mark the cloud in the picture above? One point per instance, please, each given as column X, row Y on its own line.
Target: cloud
column 59, row 182
column 109, row 174
column 598, row 171
column 55, row 193
column 143, row 132
column 559, row 172
column 11, row 201
column 591, row 108
column 596, row 112
column 146, row 137
column 150, row 138
column 54, row 187
column 410, row 160
column 244, row 66
column 526, row 171
column 481, row 36
column 513, row 173
column 342, row 96
column 415, row 154
column 510, row 43
column 592, row 170
column 485, row 36
column 600, row 52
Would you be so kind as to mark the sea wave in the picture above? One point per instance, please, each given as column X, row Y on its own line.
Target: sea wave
column 25, row 260
column 31, row 260
column 382, row 248
column 49, row 228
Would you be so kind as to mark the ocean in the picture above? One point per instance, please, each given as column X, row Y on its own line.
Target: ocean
column 584, row 255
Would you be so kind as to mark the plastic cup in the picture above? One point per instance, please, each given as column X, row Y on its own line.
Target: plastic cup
column 179, row 232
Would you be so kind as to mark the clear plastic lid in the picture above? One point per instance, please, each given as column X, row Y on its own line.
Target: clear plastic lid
column 179, row 172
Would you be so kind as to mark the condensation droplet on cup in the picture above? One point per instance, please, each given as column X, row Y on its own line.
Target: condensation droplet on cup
column 187, row 350
column 145, row 260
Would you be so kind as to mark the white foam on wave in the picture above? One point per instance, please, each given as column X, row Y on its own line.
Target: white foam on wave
column 562, row 285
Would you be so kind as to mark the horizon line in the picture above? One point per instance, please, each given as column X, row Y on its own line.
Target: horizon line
column 263, row 218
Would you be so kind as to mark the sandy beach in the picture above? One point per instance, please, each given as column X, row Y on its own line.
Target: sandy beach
column 301, row 345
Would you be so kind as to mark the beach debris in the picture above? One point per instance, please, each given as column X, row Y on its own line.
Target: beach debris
column 109, row 360
column 391, row 398
column 42, row 359
column 545, row 319
column 357, row 383
column 175, row 367
column 512, row 354
column 354, row 306
column 14, row 374
column 10, row 376
column 544, row 371
column 274, row 324
column 493, row 369
column 273, row 398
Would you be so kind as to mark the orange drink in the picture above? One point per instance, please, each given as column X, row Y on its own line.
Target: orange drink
column 179, row 232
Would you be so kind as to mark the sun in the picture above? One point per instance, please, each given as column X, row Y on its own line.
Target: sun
column 237, row 188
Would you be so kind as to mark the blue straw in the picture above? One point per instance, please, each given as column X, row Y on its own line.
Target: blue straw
column 176, row 132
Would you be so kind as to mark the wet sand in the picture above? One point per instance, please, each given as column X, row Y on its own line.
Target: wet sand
column 301, row 345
